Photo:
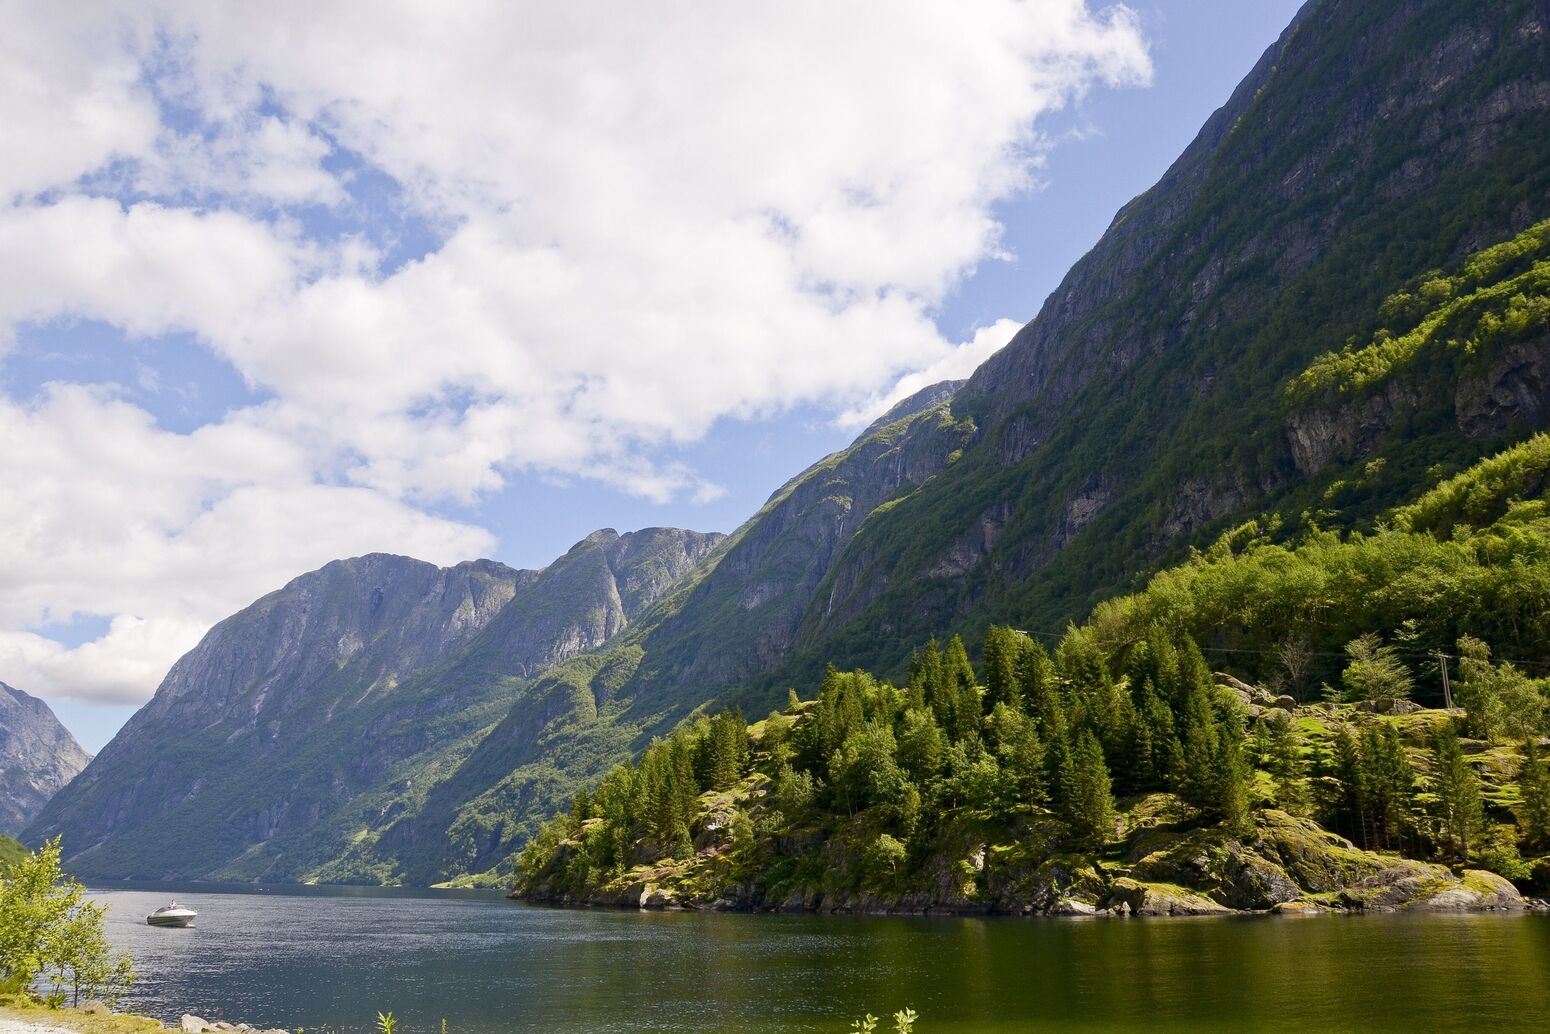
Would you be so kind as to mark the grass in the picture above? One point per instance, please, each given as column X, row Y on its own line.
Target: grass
column 88, row 1019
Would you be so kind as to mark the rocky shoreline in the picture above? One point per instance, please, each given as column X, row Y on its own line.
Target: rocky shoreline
column 31, row 1017
column 1288, row 866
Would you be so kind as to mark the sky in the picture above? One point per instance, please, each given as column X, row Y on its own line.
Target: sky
column 289, row 282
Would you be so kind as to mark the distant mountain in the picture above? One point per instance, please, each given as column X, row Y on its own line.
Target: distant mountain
column 38, row 756
column 266, row 749
column 732, row 618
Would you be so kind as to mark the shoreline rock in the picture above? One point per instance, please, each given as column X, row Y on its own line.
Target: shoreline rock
column 1286, row 866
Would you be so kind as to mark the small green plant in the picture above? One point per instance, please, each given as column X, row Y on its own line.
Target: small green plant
column 903, row 1023
column 387, row 1024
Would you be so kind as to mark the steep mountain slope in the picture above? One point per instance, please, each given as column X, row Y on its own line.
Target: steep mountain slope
column 734, row 617
column 1170, row 388
column 38, row 756
column 1145, row 408
column 270, row 744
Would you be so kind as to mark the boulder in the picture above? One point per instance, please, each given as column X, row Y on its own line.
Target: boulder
column 1272, row 714
column 1296, row 908
column 1476, row 891
column 1160, row 899
column 194, row 1025
column 1312, row 857
column 1214, row 864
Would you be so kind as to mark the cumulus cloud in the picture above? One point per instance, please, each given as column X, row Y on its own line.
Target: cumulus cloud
column 954, row 366
column 645, row 219
column 105, row 513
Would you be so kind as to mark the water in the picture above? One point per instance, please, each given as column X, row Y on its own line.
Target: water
column 333, row 957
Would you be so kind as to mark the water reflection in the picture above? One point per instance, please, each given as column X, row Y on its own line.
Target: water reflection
column 312, row 957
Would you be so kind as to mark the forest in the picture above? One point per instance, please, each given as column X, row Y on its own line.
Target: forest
column 1259, row 682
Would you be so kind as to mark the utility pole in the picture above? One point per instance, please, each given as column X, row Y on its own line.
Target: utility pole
column 1447, row 690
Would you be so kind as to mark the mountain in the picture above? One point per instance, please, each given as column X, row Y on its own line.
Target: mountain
column 270, row 746
column 38, row 756
column 1150, row 405
column 1110, row 770
column 1147, row 408
column 1314, row 314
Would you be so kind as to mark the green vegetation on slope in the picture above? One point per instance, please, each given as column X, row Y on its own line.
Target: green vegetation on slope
column 1090, row 777
column 1145, row 408
column 11, row 852
column 1499, row 297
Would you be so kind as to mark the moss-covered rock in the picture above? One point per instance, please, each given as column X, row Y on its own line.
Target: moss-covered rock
column 1159, row 899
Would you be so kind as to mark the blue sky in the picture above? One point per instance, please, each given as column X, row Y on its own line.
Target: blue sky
column 261, row 314
column 1114, row 144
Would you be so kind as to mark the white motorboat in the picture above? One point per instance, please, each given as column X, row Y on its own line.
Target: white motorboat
column 172, row 915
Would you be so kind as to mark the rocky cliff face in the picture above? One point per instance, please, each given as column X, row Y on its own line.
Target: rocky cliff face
column 741, row 619
column 268, row 745
column 38, row 756
column 1143, row 409
column 700, row 629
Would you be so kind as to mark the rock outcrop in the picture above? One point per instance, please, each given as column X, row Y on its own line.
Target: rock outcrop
column 1287, row 865
column 38, row 757
column 344, row 694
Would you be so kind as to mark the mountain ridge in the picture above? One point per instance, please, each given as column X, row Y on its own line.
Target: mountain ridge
column 38, row 757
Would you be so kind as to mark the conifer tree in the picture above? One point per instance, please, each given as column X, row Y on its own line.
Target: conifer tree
column 1375, row 671
column 1036, row 682
column 1387, row 783
column 1346, row 768
column 921, row 745
column 1021, row 754
column 958, row 684
column 1230, row 789
column 1088, row 801
column 926, row 674
column 1534, row 784
column 1284, row 760
column 1460, row 813
column 726, row 749
column 1194, row 780
column 1003, row 649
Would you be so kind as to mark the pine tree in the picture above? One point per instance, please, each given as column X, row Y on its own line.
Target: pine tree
column 921, row 745
column 1036, row 683
column 1460, row 813
column 1017, row 746
column 926, row 676
column 726, row 750
column 1284, row 759
column 1230, row 789
column 1088, row 802
column 1388, row 784
column 1195, row 780
column 958, row 684
column 1534, row 785
column 1003, row 648
column 1346, row 768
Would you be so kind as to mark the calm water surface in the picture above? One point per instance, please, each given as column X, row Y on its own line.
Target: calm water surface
column 333, row 957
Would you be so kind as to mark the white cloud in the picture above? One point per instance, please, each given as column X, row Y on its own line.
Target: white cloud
column 105, row 513
column 955, row 366
column 653, row 218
